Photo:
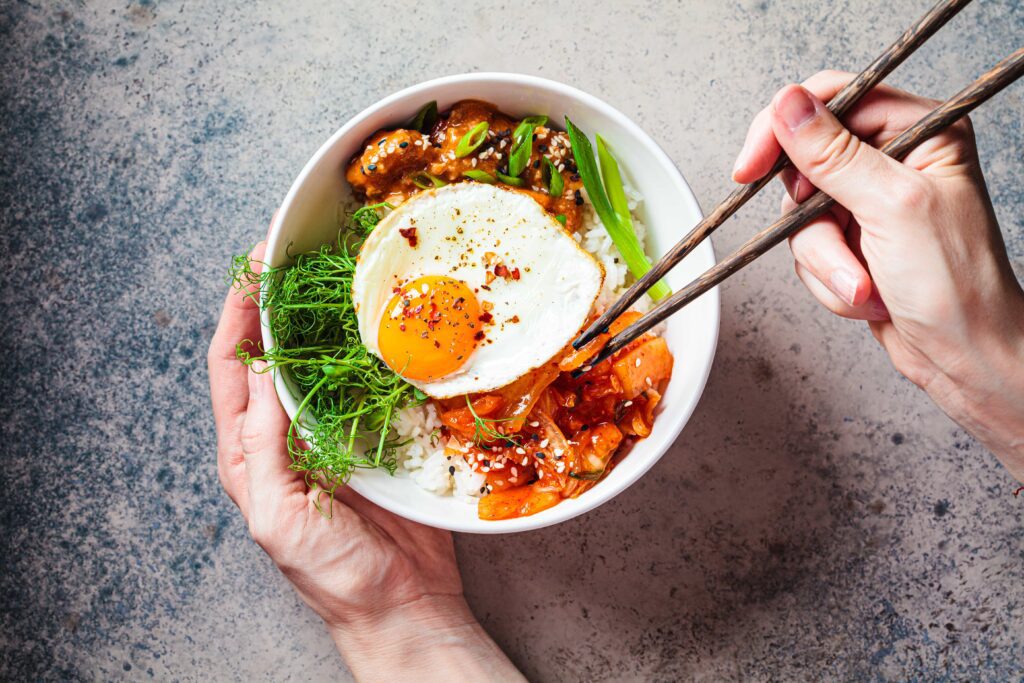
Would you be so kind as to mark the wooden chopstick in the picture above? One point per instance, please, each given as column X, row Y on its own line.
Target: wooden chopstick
column 990, row 83
column 839, row 105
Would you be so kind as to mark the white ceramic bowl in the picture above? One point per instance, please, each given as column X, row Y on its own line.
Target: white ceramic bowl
column 309, row 218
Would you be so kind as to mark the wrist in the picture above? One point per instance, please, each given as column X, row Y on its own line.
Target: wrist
column 986, row 392
column 432, row 637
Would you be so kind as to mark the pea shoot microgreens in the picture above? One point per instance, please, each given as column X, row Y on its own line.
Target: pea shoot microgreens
column 350, row 397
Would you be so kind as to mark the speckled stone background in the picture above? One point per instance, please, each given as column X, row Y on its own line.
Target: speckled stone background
column 818, row 518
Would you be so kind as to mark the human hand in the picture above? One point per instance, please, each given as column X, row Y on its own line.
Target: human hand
column 388, row 589
column 912, row 248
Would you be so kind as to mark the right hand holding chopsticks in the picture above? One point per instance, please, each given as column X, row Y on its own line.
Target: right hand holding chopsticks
column 913, row 248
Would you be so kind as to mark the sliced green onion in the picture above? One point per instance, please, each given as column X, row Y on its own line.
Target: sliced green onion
column 425, row 118
column 555, row 181
column 620, row 230
column 510, row 180
column 479, row 176
column 522, row 144
column 425, row 181
column 471, row 140
column 560, row 218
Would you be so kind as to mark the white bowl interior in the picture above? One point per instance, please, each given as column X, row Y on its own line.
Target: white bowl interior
column 309, row 217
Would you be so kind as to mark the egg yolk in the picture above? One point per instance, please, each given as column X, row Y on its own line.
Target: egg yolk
column 430, row 328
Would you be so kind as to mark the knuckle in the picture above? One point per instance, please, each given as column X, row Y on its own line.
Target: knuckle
column 252, row 439
column 912, row 196
column 838, row 154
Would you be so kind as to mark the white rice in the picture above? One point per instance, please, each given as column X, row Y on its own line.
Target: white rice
column 424, row 458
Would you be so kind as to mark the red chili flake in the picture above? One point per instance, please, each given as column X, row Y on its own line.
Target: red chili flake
column 396, row 290
column 501, row 270
column 515, row 273
column 486, row 317
column 457, row 304
column 1017, row 492
column 401, row 327
column 434, row 318
column 437, row 344
column 409, row 234
column 514, row 319
column 479, row 335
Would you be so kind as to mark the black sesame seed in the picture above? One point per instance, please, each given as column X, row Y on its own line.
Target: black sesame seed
column 403, row 145
column 451, row 469
column 584, row 428
column 540, row 456
column 382, row 141
column 579, row 198
column 372, row 167
column 543, row 148
column 487, row 463
column 536, row 164
column 483, row 489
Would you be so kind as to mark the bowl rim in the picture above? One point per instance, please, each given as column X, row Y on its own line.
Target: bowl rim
column 596, row 496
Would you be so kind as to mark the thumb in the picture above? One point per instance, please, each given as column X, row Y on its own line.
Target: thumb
column 832, row 158
column 265, row 445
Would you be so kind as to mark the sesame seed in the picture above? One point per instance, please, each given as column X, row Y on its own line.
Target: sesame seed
column 544, row 443
column 520, row 451
column 627, row 404
column 649, row 383
column 451, row 469
column 535, row 424
column 637, row 362
column 403, row 144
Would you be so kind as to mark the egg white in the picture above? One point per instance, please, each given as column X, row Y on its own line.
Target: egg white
column 456, row 226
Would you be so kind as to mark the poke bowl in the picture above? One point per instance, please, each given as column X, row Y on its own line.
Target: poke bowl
column 466, row 197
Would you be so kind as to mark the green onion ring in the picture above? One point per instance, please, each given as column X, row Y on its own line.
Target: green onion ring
column 556, row 184
column 420, row 179
column 510, row 180
column 522, row 144
column 471, row 140
column 479, row 176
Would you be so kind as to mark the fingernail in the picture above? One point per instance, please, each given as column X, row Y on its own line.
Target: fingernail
column 256, row 378
column 795, row 108
column 741, row 159
column 844, row 284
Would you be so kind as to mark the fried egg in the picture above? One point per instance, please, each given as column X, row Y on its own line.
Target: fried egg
column 468, row 287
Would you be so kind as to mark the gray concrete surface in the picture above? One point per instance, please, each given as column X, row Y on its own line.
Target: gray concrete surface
column 818, row 518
